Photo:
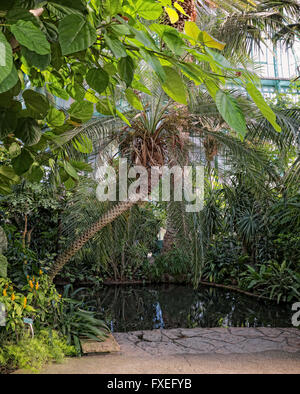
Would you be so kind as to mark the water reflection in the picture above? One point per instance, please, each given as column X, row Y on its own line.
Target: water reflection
column 128, row 308
column 158, row 318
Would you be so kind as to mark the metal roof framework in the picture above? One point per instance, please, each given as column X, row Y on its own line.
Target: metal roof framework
column 278, row 67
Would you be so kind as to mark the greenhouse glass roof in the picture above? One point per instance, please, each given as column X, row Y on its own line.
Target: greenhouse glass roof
column 277, row 66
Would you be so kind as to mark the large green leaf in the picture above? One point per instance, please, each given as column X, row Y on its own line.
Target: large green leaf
column 9, row 174
column 57, row 91
column 191, row 71
column 27, row 34
column 231, row 112
column 36, row 103
column 174, row 86
column 143, row 37
column 90, row 95
column 126, row 69
column 76, row 4
column 82, row 110
column 23, row 162
column 70, row 170
column 210, row 41
column 113, row 6
column 35, row 174
column 153, row 61
column 55, row 118
column 142, row 88
column 69, row 183
column 28, row 131
column 133, row 99
column 174, row 42
column 10, row 81
column 6, row 58
column 76, row 91
column 18, row 13
column 147, row 9
column 219, row 58
column 8, row 122
column 14, row 149
column 192, row 30
column 117, row 48
column 97, row 79
column 262, row 105
column 34, row 59
column 56, row 55
column 75, row 34
column 123, row 117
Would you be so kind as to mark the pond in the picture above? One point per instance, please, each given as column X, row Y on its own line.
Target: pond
column 130, row 308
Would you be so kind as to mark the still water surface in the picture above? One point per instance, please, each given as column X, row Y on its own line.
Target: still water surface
column 129, row 308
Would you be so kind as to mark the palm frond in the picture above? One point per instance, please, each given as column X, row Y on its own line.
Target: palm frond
column 289, row 121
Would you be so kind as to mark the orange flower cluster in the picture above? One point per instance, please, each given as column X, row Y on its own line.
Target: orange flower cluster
column 13, row 295
column 33, row 283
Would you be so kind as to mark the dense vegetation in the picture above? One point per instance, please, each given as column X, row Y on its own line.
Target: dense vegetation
column 139, row 79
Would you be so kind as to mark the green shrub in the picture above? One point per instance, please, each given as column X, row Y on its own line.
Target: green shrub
column 287, row 247
column 273, row 280
column 38, row 300
column 224, row 261
column 34, row 353
column 74, row 321
column 175, row 263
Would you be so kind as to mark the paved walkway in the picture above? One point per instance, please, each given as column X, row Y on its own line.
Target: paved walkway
column 197, row 350
column 209, row 340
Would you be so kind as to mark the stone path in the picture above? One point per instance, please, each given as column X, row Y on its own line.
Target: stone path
column 197, row 350
column 209, row 340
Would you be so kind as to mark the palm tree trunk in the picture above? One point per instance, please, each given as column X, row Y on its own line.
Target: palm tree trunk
column 107, row 218
column 170, row 236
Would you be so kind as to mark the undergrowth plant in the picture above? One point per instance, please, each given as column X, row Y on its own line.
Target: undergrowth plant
column 33, row 353
column 274, row 280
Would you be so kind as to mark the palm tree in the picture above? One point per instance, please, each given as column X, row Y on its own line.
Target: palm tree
column 244, row 26
column 156, row 138
column 153, row 138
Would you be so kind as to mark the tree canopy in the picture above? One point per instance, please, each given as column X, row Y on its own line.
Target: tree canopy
column 84, row 54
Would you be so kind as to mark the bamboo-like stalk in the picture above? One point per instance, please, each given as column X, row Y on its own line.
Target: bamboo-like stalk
column 105, row 219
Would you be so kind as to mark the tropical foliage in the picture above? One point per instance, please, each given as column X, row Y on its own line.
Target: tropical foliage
column 113, row 38
column 158, row 82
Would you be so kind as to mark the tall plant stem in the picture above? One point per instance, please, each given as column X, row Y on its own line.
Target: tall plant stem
column 107, row 218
